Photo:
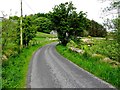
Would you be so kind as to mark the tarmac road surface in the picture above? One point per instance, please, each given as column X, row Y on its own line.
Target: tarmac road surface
column 48, row 69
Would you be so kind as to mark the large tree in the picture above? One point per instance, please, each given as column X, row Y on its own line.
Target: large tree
column 67, row 22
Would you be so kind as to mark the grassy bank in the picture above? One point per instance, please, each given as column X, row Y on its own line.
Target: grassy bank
column 15, row 69
column 101, row 46
column 92, row 64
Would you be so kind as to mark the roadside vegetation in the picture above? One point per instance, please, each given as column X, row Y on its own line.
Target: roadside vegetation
column 15, row 60
column 98, row 64
column 98, row 45
column 15, row 69
column 94, row 49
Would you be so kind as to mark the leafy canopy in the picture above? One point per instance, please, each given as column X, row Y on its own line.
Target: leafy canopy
column 67, row 22
column 43, row 24
column 29, row 30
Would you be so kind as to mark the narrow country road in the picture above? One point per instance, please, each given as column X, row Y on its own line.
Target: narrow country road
column 48, row 69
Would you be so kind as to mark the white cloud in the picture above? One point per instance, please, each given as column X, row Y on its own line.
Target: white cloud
column 93, row 7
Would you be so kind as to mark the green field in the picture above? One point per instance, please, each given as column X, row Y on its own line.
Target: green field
column 44, row 35
column 15, row 69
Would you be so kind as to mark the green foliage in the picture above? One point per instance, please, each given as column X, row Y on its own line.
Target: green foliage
column 70, row 25
column 108, row 48
column 105, row 48
column 93, row 64
column 116, row 23
column 71, row 44
column 11, row 32
column 42, row 15
column 9, row 35
column 96, row 29
column 43, row 24
column 15, row 69
column 14, row 18
column 67, row 22
column 29, row 31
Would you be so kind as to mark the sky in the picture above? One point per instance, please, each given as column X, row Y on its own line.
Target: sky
column 92, row 7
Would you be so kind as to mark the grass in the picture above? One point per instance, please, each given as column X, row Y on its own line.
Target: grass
column 44, row 35
column 15, row 69
column 41, row 37
column 96, row 45
column 92, row 64
column 107, row 48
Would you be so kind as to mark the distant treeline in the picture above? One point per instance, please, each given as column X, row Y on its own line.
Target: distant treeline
column 43, row 23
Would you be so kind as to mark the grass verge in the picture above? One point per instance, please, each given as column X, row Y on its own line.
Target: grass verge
column 92, row 64
column 15, row 69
